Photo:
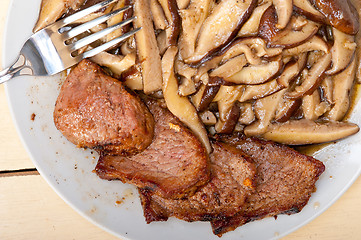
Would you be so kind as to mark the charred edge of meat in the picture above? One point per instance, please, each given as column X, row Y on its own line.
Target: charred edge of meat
column 149, row 214
column 217, row 51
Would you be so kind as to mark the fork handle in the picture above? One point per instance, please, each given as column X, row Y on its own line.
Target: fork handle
column 10, row 72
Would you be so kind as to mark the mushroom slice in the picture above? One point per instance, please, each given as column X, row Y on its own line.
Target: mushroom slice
column 292, row 70
column 247, row 115
column 133, row 78
column 221, row 26
column 286, row 108
column 256, row 74
column 182, row 4
column 342, row 51
column 180, row 106
column 341, row 14
column 160, row 22
column 116, row 63
column 309, row 105
column 227, row 126
column 293, row 35
column 260, row 90
column 300, row 132
column 284, row 12
column 204, row 96
column 326, row 87
column 186, row 87
column 208, row 118
column 250, row 28
column 230, row 67
column 50, row 11
column 342, row 84
column 192, row 20
column 305, row 8
column 225, row 98
column 265, row 109
column 147, row 48
column 312, row 80
column 118, row 18
column 170, row 9
column 316, row 43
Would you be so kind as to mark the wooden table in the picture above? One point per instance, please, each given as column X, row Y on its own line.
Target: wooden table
column 29, row 209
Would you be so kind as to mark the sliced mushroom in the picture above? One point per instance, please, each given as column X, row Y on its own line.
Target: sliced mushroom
column 341, row 14
column 250, row 28
column 265, row 109
column 292, row 70
column 342, row 85
column 247, row 115
column 192, row 20
column 118, row 18
column 221, row 26
column 230, row 67
column 316, row 43
column 181, row 107
column 186, row 87
column 286, row 108
column 284, row 12
column 256, row 74
column 208, row 118
column 225, row 98
column 182, row 4
column 133, row 78
column 170, row 9
column 260, row 90
column 326, row 87
column 342, row 51
column 116, row 63
column 309, row 105
column 300, row 132
column 305, row 8
column 147, row 48
column 160, row 22
column 227, row 126
column 52, row 10
column 293, row 35
column 312, row 80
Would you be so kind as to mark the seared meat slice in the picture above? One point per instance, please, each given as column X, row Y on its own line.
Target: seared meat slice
column 173, row 166
column 94, row 110
column 232, row 182
column 284, row 183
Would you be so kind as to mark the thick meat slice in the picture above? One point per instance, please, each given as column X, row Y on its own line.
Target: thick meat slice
column 284, row 183
column 95, row 110
column 231, row 183
column 173, row 166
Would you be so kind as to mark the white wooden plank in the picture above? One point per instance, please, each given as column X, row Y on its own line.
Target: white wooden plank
column 30, row 209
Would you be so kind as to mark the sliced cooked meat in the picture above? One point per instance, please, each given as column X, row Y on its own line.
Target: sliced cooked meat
column 232, row 181
column 173, row 166
column 94, row 110
column 284, row 183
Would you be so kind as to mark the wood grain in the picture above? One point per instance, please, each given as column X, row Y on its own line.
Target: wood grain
column 30, row 209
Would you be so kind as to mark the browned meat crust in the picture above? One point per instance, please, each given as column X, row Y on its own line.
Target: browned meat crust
column 232, row 181
column 95, row 110
column 284, row 183
column 173, row 166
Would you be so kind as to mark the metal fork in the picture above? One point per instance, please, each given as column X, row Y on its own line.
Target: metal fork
column 47, row 52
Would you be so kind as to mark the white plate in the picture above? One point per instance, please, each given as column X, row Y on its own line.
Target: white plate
column 69, row 169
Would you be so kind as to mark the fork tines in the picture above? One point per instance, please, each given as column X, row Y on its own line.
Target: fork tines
column 61, row 29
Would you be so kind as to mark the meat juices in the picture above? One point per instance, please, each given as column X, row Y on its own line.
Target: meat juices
column 94, row 110
column 173, row 166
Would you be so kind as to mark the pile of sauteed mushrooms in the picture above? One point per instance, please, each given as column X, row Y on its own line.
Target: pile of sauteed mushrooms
column 282, row 70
